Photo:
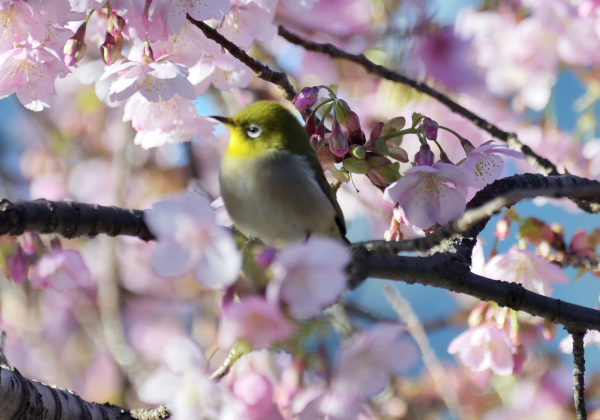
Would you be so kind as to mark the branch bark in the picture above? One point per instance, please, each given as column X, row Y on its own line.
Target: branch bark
column 22, row 398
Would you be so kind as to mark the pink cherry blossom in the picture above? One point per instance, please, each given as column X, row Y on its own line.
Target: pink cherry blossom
column 427, row 195
column 254, row 319
column 485, row 347
column 174, row 12
column 309, row 276
column 60, row 270
column 320, row 402
column 524, row 267
column 167, row 122
column 157, row 80
column 485, row 164
column 249, row 20
column 183, row 383
column 223, row 71
column 30, row 73
column 190, row 241
column 368, row 357
column 253, row 398
column 17, row 265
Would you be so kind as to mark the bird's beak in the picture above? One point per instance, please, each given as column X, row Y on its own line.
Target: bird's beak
column 224, row 120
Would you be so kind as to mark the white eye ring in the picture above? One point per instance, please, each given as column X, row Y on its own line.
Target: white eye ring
column 253, row 131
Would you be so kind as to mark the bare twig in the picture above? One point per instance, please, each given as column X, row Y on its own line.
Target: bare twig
column 578, row 371
column 432, row 363
column 263, row 71
column 545, row 165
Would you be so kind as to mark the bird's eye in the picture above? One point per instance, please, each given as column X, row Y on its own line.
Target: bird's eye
column 253, row 131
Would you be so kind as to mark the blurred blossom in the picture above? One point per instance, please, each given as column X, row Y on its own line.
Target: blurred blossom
column 502, row 228
column 309, row 276
column 524, row 267
column 60, row 270
column 425, row 197
column 368, row 358
column 183, row 383
column 485, row 162
column 17, row 265
column 223, row 71
column 174, row 12
column 485, row 347
column 189, row 240
column 253, row 398
column 254, row 319
column 248, row 21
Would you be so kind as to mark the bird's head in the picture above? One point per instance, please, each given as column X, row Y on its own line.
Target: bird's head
column 262, row 127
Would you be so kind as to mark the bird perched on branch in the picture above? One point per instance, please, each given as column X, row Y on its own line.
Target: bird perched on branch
column 272, row 183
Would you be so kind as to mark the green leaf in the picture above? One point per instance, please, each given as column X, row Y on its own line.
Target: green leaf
column 381, row 146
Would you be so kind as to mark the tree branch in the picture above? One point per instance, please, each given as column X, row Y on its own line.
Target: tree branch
column 578, row 371
column 448, row 271
column 545, row 165
column 263, row 71
column 22, row 398
column 501, row 193
column 70, row 219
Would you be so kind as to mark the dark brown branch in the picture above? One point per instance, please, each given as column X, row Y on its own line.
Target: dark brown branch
column 578, row 371
column 502, row 193
column 449, row 272
column 263, row 71
column 545, row 165
column 22, row 398
column 70, row 219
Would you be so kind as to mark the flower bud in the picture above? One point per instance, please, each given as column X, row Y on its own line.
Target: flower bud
column 358, row 152
column 306, row 98
column 430, row 128
column 109, row 50
column 75, row 46
column 424, row 157
column 352, row 122
column 115, row 23
column 338, row 140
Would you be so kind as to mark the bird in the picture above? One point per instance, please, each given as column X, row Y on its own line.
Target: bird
column 271, row 182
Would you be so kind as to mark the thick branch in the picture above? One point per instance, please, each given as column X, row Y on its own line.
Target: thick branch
column 545, row 165
column 263, row 71
column 447, row 272
column 70, row 219
column 22, row 398
column 502, row 193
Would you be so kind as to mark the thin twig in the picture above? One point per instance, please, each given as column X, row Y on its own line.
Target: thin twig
column 261, row 70
column 432, row 363
column 544, row 164
column 578, row 373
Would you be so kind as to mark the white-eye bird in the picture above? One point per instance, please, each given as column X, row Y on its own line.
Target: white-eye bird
column 272, row 183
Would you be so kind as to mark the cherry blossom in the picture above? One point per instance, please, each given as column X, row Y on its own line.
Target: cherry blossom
column 485, row 347
column 485, row 164
column 167, row 122
column 60, row 270
column 174, row 12
column 309, row 276
column 427, row 195
column 158, row 80
column 249, row 20
column 190, row 241
column 254, row 319
column 30, row 73
column 524, row 267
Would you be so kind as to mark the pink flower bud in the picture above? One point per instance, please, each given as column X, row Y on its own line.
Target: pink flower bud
column 338, row 140
column 116, row 24
column 430, row 128
column 424, row 157
column 352, row 122
column 306, row 98
column 75, row 46
column 109, row 50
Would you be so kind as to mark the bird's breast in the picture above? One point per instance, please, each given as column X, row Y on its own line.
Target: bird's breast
column 275, row 197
